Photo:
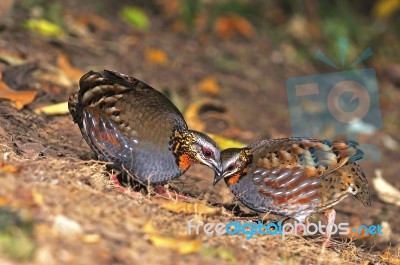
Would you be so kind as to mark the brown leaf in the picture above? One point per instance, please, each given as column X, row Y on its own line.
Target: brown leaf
column 179, row 244
column 9, row 168
column 94, row 20
column 72, row 72
column 156, row 56
column 227, row 26
column 18, row 98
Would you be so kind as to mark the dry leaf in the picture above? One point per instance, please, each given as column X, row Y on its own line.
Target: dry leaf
column 37, row 197
column 386, row 191
column 193, row 111
column 156, row 56
column 55, row 109
column 9, row 168
column 91, row 238
column 209, row 85
column 94, row 20
column 185, row 207
column 224, row 143
column 72, row 72
column 227, row 26
column 18, row 98
column 385, row 8
column 181, row 245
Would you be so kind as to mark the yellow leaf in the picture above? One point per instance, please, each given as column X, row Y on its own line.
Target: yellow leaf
column 385, row 8
column 224, row 143
column 156, row 56
column 181, row 245
column 55, row 109
column 43, row 27
column 71, row 71
column 185, row 207
column 209, row 85
column 91, row 238
column 37, row 197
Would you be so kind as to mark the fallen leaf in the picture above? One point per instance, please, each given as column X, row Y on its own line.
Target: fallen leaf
column 91, row 238
column 185, row 207
column 224, row 143
column 385, row 8
column 9, row 168
column 18, row 98
column 55, row 109
column 209, row 85
column 43, row 27
column 227, row 26
column 71, row 71
column 94, row 20
column 156, row 56
column 37, row 197
column 181, row 245
column 135, row 17
column 386, row 191
column 193, row 111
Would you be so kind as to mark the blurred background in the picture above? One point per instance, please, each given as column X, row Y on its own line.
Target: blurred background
column 225, row 64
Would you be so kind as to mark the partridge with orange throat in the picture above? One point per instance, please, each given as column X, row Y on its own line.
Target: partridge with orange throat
column 138, row 129
column 295, row 177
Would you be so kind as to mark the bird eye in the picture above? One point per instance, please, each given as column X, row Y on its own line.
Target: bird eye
column 231, row 167
column 207, row 152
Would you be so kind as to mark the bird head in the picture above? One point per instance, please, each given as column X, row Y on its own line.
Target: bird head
column 193, row 147
column 235, row 163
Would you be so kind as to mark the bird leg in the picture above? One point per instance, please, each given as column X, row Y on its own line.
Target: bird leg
column 167, row 194
column 115, row 181
column 330, row 216
column 300, row 229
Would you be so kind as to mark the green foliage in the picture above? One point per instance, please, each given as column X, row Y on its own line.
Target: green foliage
column 16, row 231
column 135, row 17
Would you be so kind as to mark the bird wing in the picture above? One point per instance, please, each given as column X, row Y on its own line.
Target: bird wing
column 290, row 170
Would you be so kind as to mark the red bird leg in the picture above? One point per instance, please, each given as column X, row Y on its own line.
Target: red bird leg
column 115, row 181
column 300, row 228
column 330, row 216
column 165, row 193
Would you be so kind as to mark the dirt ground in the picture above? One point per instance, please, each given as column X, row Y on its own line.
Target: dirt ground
column 50, row 177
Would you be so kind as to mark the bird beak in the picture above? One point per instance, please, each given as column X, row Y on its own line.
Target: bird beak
column 217, row 177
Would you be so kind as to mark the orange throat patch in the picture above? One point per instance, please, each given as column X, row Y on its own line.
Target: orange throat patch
column 233, row 179
column 185, row 162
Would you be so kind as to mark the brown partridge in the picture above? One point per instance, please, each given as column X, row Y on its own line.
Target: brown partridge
column 134, row 126
column 295, row 177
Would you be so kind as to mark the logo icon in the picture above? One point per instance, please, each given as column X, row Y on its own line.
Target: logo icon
column 344, row 103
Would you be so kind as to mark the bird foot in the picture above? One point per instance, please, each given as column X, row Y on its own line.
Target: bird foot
column 167, row 194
